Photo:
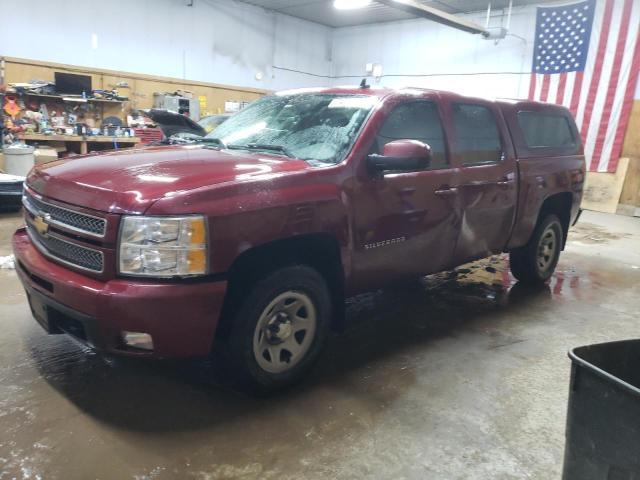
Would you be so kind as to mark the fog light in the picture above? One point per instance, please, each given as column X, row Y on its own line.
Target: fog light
column 138, row 340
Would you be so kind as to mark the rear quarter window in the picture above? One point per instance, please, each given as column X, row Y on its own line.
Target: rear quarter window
column 546, row 130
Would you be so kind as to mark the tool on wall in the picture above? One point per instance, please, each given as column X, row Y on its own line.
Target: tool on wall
column 11, row 108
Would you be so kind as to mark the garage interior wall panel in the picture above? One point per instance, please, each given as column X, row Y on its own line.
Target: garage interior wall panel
column 220, row 41
column 418, row 47
column 142, row 87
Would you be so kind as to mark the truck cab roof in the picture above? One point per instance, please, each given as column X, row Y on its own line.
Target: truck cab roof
column 384, row 92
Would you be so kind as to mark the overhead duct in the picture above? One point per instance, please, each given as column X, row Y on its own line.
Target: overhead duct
column 419, row 10
column 498, row 33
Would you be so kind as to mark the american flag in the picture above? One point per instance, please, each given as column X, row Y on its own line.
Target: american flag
column 586, row 56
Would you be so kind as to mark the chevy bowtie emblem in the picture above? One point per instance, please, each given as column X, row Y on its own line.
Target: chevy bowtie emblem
column 41, row 225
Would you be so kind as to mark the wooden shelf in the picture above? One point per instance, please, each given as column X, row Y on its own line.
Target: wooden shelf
column 101, row 100
column 78, row 138
column 83, row 141
column 68, row 99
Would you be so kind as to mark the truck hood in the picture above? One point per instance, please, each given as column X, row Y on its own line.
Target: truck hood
column 129, row 181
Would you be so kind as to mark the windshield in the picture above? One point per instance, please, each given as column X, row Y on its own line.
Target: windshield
column 318, row 128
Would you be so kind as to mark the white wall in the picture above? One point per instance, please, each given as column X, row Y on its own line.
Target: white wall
column 424, row 47
column 220, row 41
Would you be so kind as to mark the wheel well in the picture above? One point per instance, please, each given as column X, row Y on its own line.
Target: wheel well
column 560, row 205
column 319, row 251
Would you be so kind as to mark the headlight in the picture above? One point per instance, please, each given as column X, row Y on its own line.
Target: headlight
column 163, row 246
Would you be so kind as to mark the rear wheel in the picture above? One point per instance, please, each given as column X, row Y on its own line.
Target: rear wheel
column 279, row 329
column 536, row 261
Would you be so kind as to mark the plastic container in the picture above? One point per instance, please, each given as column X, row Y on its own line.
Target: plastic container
column 18, row 159
column 603, row 417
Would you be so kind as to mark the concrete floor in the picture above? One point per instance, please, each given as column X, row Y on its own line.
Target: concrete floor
column 465, row 377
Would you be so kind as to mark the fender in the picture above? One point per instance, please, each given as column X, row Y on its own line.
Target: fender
column 541, row 178
column 247, row 215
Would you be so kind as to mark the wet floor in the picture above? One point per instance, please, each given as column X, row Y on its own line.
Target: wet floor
column 461, row 376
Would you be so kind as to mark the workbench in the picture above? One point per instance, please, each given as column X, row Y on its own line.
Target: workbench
column 116, row 142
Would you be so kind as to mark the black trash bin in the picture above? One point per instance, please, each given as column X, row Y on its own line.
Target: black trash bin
column 603, row 417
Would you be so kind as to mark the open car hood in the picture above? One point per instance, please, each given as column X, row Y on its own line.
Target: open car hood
column 173, row 123
column 6, row 178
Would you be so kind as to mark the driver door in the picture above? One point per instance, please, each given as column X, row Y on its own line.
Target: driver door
column 406, row 222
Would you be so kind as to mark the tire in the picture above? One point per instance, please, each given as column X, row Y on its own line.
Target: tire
column 279, row 329
column 537, row 260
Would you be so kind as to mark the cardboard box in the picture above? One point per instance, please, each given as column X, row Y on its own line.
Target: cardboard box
column 45, row 155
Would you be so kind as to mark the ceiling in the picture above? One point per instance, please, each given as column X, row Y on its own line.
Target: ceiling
column 323, row 12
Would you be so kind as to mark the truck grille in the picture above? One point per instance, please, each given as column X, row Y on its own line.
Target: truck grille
column 13, row 187
column 66, row 252
column 65, row 218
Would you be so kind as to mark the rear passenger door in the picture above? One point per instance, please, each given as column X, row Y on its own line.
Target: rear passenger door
column 487, row 182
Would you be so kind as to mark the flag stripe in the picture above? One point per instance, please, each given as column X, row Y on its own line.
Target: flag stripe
column 606, row 163
column 597, row 70
column 592, row 59
column 538, row 87
column 627, row 104
column 575, row 95
column 562, row 85
column 546, row 79
column 532, row 86
column 568, row 90
column 597, row 116
column 612, row 87
column 553, row 88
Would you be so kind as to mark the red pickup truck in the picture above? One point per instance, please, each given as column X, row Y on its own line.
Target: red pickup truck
column 257, row 232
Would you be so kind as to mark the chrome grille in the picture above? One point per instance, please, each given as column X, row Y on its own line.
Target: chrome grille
column 65, row 218
column 66, row 252
column 11, row 187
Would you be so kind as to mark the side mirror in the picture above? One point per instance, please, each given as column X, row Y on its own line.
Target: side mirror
column 402, row 156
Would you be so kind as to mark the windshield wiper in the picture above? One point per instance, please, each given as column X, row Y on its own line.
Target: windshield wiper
column 215, row 140
column 263, row 146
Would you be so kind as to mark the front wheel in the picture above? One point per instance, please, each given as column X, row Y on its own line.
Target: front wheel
column 279, row 329
column 537, row 260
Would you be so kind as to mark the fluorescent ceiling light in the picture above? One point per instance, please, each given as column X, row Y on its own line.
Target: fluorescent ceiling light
column 350, row 4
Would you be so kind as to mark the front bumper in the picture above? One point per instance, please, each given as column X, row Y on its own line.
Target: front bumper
column 181, row 316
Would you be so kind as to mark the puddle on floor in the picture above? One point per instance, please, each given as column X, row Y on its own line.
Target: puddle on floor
column 594, row 234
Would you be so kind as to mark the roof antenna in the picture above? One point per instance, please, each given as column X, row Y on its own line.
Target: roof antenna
column 363, row 84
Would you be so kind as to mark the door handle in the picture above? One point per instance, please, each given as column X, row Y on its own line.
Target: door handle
column 446, row 192
column 504, row 183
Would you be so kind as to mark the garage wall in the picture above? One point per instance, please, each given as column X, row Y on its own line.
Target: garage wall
column 424, row 47
column 141, row 87
column 220, row 41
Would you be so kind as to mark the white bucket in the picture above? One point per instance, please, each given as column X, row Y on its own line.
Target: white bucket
column 18, row 159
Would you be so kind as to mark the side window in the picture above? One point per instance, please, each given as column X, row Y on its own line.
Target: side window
column 477, row 135
column 542, row 130
column 417, row 120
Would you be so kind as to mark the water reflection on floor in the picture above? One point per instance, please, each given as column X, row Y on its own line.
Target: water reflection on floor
column 464, row 371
